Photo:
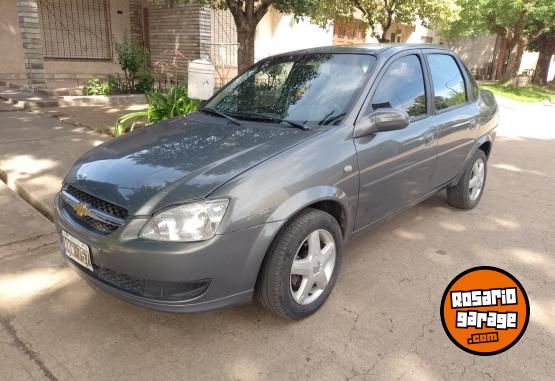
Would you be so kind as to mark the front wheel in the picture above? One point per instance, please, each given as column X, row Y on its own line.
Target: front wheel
column 468, row 192
column 302, row 266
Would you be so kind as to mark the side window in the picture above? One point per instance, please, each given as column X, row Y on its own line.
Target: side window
column 447, row 80
column 473, row 84
column 402, row 87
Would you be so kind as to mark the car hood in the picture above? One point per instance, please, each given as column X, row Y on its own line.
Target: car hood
column 177, row 160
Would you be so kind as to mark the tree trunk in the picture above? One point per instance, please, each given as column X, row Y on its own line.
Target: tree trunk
column 546, row 48
column 515, row 58
column 517, row 44
column 245, row 52
column 499, row 41
column 500, row 62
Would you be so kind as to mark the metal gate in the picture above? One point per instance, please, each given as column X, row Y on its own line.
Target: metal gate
column 222, row 49
column 75, row 29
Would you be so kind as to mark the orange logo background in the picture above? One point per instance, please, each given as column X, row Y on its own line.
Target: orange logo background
column 486, row 340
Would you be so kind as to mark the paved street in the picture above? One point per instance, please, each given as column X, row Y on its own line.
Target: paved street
column 381, row 322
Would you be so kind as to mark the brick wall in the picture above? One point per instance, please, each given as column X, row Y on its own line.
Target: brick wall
column 135, row 21
column 176, row 33
column 31, row 39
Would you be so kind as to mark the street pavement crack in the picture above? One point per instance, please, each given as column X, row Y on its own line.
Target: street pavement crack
column 26, row 240
column 23, row 347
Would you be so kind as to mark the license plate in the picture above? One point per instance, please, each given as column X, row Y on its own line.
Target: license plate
column 77, row 250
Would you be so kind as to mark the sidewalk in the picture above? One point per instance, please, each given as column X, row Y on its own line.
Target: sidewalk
column 37, row 150
column 98, row 113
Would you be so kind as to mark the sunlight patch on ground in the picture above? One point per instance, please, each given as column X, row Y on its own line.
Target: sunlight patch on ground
column 530, row 257
column 137, row 107
column 244, row 369
column 409, row 367
column 19, row 289
column 542, row 312
column 513, row 168
column 505, row 223
column 454, row 227
column 26, row 165
column 408, row 235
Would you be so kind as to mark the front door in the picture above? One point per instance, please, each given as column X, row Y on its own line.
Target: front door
column 395, row 167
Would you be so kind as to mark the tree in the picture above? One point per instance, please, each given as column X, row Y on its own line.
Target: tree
column 545, row 44
column 379, row 15
column 248, row 13
column 383, row 13
column 515, row 22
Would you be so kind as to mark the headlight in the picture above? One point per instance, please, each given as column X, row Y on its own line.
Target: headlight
column 196, row 221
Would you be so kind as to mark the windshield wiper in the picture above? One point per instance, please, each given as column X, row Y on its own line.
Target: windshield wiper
column 209, row 110
column 300, row 125
column 330, row 118
column 272, row 118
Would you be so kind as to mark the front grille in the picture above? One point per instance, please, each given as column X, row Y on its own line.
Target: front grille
column 97, row 203
column 124, row 281
column 101, row 226
column 89, row 222
column 170, row 291
column 104, row 217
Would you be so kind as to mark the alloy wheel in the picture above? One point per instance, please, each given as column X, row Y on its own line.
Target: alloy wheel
column 312, row 267
column 476, row 179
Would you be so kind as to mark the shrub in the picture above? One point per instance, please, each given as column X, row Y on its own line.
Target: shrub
column 160, row 107
column 115, row 84
column 145, row 82
column 130, row 59
column 95, row 86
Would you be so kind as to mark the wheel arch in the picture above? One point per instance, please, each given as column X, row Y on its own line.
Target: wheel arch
column 329, row 199
column 484, row 143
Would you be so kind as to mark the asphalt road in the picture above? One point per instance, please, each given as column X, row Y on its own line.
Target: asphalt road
column 381, row 322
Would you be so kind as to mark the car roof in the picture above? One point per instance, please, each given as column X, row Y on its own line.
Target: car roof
column 374, row 49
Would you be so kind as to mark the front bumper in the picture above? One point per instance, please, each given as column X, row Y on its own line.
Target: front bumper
column 219, row 272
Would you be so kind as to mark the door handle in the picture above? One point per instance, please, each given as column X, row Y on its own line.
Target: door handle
column 428, row 138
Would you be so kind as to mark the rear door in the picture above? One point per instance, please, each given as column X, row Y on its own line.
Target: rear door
column 455, row 114
column 395, row 167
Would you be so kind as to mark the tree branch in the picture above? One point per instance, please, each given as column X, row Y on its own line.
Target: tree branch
column 262, row 9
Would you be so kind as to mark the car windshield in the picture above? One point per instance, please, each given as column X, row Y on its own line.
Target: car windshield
column 314, row 89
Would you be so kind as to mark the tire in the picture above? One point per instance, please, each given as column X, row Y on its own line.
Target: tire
column 282, row 292
column 462, row 196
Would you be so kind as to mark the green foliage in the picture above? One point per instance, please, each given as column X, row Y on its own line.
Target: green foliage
column 95, row 86
column 527, row 94
column 130, row 59
column 161, row 106
column 115, row 84
column 479, row 17
column 379, row 15
column 145, row 81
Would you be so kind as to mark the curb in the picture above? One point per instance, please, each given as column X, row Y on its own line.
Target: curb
column 29, row 104
column 80, row 100
column 98, row 100
column 41, row 207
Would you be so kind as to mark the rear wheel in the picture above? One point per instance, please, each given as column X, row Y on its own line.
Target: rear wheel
column 468, row 192
column 302, row 266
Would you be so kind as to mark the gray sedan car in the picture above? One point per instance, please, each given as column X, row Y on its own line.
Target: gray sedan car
column 256, row 193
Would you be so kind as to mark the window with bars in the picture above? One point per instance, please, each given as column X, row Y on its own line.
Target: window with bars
column 75, row 29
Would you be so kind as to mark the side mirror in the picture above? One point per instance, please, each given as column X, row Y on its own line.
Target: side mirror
column 381, row 120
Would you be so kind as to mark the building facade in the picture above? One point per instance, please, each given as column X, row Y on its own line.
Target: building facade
column 59, row 43
column 62, row 41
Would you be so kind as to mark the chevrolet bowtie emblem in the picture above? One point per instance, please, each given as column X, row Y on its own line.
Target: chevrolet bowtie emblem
column 81, row 209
